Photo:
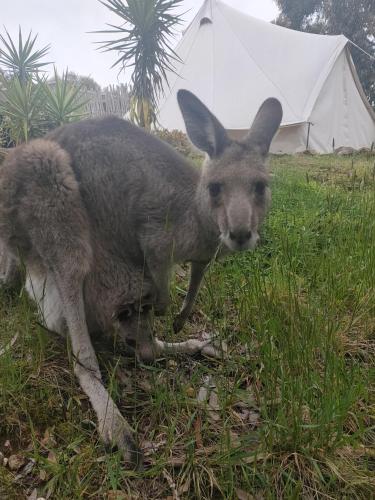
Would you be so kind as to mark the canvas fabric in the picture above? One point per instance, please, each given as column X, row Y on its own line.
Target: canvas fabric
column 233, row 62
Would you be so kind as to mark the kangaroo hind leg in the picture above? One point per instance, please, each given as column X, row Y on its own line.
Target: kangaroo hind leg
column 58, row 230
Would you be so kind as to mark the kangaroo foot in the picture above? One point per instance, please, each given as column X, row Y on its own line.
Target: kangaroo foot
column 211, row 346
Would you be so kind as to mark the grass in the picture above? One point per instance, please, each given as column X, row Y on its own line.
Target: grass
column 291, row 409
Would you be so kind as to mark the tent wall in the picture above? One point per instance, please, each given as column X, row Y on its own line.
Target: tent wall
column 340, row 116
column 292, row 139
column 233, row 62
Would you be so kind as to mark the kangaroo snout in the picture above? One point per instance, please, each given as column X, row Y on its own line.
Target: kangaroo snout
column 239, row 225
column 240, row 237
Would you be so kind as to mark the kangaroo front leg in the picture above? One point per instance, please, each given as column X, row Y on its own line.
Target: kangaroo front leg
column 160, row 272
column 197, row 270
column 112, row 426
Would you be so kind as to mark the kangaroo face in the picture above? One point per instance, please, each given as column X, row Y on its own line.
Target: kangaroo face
column 234, row 185
column 236, row 188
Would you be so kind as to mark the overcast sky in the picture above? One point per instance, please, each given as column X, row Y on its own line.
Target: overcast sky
column 65, row 25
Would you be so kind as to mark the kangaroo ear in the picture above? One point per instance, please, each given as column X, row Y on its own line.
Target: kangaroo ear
column 203, row 128
column 265, row 126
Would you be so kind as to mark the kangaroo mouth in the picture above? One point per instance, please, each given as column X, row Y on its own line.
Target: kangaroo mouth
column 240, row 246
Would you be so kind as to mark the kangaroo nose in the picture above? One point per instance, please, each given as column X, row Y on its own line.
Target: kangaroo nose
column 240, row 237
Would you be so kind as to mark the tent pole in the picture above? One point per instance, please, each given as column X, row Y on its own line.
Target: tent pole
column 308, row 135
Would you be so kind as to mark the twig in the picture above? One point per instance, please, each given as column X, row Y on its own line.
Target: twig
column 171, row 484
column 10, row 344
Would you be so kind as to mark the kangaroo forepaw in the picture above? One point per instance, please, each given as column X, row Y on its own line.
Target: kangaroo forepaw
column 179, row 322
column 160, row 307
column 116, row 433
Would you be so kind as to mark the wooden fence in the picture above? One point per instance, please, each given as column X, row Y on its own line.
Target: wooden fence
column 114, row 100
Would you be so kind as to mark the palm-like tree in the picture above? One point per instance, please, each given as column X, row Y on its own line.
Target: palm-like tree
column 144, row 43
column 23, row 61
column 20, row 96
column 64, row 101
column 29, row 105
column 20, row 105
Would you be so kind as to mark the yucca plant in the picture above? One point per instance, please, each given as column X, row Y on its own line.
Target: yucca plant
column 21, row 96
column 23, row 62
column 29, row 104
column 64, row 101
column 143, row 42
column 20, row 104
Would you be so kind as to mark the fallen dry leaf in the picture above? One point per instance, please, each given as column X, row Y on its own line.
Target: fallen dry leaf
column 214, row 406
column 172, row 364
column 235, row 441
column 206, row 388
column 202, row 394
column 190, row 392
column 248, row 416
column 214, row 401
column 48, row 439
column 208, row 392
column 145, row 385
column 256, row 458
column 150, row 447
column 33, row 495
column 117, row 495
column 358, row 452
column 243, row 495
column 52, row 457
column 25, row 471
column 254, row 418
column 15, row 462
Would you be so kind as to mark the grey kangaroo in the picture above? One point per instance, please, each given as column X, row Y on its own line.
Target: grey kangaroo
column 99, row 212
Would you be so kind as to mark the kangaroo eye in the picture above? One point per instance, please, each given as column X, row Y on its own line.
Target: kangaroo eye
column 214, row 189
column 260, row 187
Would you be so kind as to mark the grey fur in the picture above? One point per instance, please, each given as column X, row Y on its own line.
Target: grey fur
column 100, row 210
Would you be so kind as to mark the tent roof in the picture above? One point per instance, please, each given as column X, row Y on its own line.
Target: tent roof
column 224, row 49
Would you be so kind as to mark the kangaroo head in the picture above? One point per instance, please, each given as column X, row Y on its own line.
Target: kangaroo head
column 234, row 185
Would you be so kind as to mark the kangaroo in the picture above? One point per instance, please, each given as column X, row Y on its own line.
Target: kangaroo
column 99, row 211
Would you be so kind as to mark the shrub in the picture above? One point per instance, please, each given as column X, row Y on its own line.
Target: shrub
column 29, row 104
column 180, row 142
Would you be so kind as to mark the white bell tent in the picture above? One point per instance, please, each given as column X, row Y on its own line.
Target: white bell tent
column 233, row 62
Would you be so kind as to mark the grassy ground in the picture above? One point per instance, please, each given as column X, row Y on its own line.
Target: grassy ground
column 290, row 411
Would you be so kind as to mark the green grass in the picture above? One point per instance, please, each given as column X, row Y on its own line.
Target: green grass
column 295, row 410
